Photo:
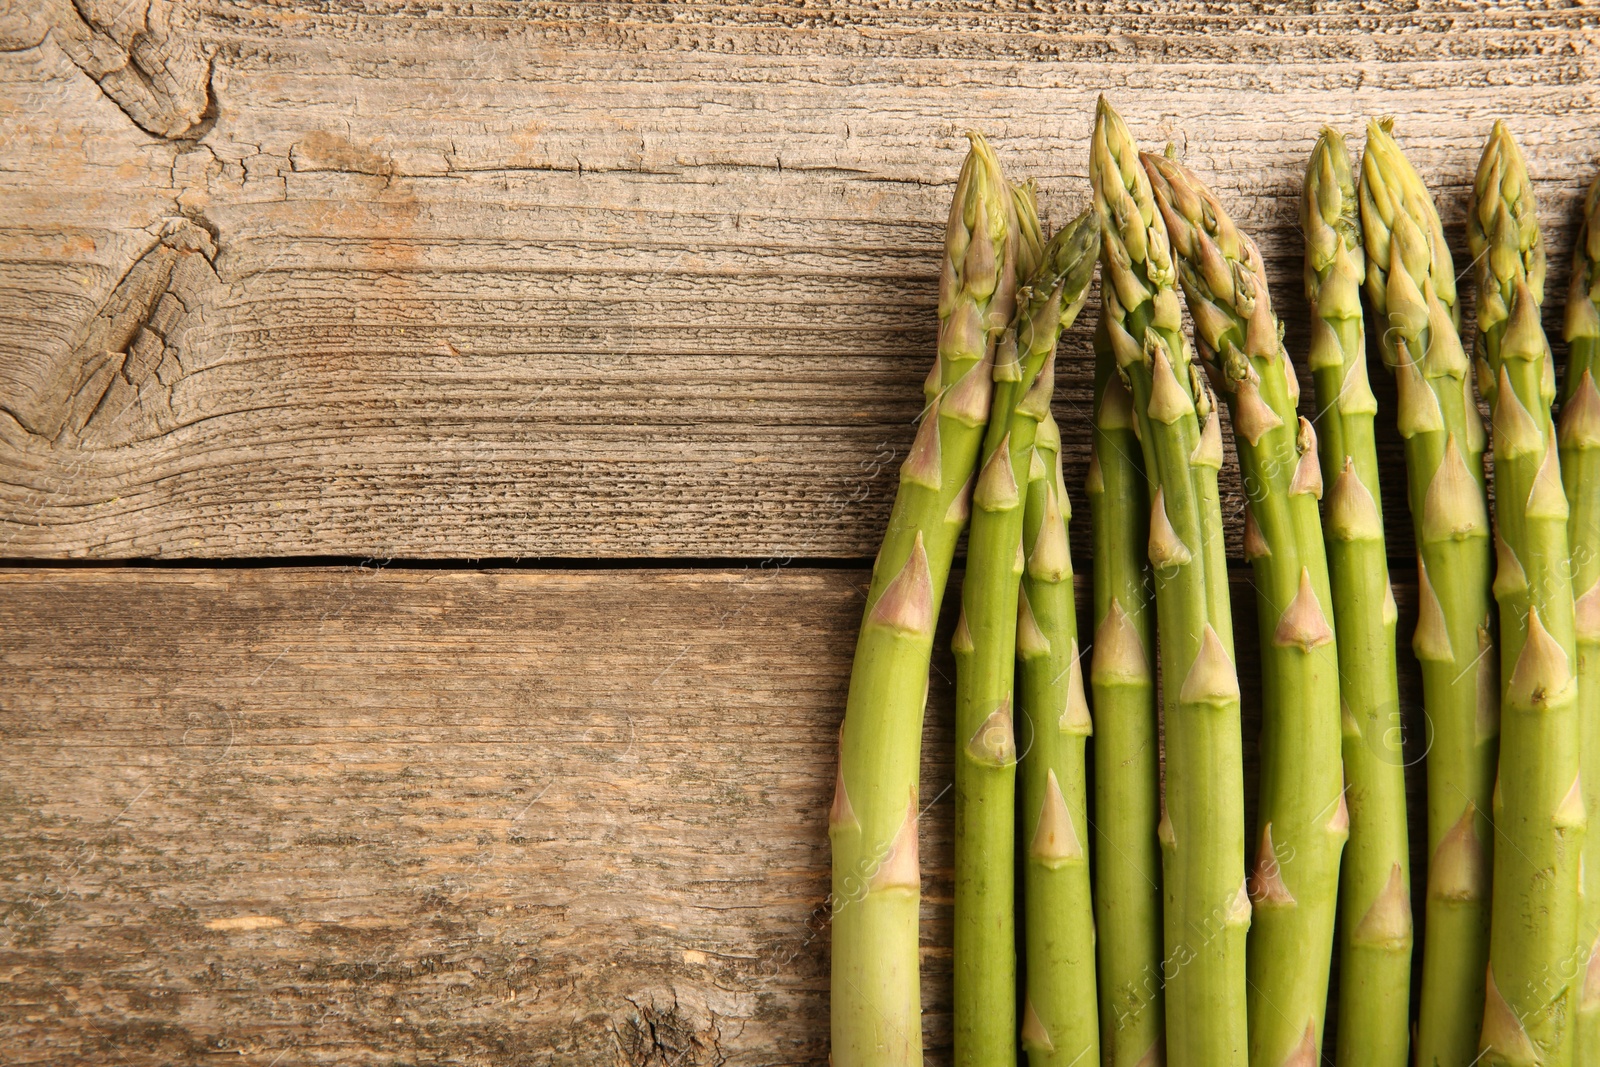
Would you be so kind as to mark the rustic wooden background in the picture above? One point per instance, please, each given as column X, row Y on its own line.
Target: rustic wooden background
column 441, row 449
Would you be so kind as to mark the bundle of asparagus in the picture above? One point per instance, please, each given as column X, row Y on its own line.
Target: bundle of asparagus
column 1192, row 963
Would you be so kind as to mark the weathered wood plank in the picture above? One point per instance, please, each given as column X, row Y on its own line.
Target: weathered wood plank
column 423, row 816
column 596, row 279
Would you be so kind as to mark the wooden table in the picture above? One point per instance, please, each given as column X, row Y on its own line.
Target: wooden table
column 441, row 449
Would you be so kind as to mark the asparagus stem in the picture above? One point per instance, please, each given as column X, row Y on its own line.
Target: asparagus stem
column 1580, row 473
column 1207, row 912
column 1539, row 812
column 1375, row 875
column 876, row 1000
column 1410, row 281
column 986, row 646
column 1302, row 816
column 1059, row 1023
column 1127, row 746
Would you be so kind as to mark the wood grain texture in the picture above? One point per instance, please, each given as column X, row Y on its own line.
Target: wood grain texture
column 311, row 815
column 436, row 279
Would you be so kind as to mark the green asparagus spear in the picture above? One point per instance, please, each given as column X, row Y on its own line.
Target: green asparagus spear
column 1127, row 745
column 1375, row 875
column 1059, row 1023
column 1538, row 810
column 985, row 646
column 876, row 1000
column 1207, row 913
column 1411, row 284
column 1580, row 473
column 1303, row 817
